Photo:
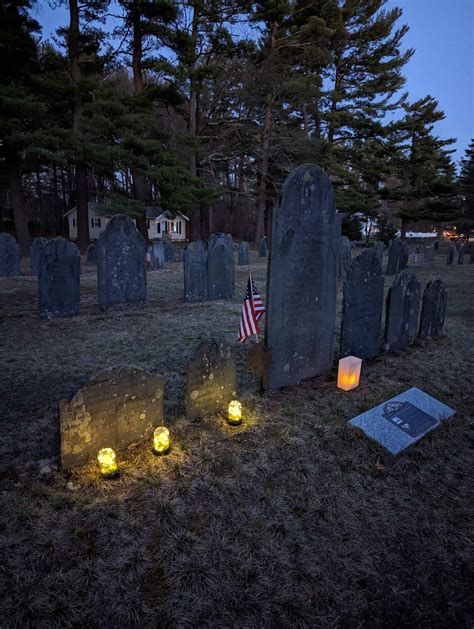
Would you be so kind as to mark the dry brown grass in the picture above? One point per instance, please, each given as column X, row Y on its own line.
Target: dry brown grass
column 291, row 520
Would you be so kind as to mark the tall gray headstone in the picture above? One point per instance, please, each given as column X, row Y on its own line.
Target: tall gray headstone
column 450, row 258
column 378, row 250
column 116, row 408
column 433, row 309
column 243, row 254
column 212, row 379
column 461, row 254
column 362, row 307
column 121, row 267
column 428, row 256
column 195, row 272
column 345, row 257
column 220, row 268
column 59, row 271
column 91, row 255
column 337, row 242
column 301, row 287
column 262, row 247
column 170, row 251
column 403, row 307
column 397, row 257
column 158, row 255
column 9, row 256
column 36, row 248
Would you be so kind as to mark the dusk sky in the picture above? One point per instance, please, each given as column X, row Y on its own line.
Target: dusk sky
column 442, row 33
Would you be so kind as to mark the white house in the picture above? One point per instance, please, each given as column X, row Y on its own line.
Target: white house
column 159, row 223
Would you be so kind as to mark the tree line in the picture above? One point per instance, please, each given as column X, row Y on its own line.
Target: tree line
column 204, row 106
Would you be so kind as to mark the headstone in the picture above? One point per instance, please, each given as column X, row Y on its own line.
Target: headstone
column 59, row 271
column 262, row 247
column 471, row 257
column 450, row 258
column 436, row 245
column 243, row 254
column 212, row 379
column 433, row 309
column 157, row 255
column 403, row 420
column 118, row 407
column 170, row 251
column 397, row 257
column 220, row 268
column 195, row 272
column 337, row 242
column 302, row 279
column 36, row 248
column 121, row 263
column 345, row 257
column 378, row 249
column 461, row 255
column 91, row 255
column 9, row 256
column 428, row 256
column 403, row 306
column 362, row 307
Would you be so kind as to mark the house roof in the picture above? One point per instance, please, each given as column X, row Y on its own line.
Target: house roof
column 170, row 216
column 150, row 212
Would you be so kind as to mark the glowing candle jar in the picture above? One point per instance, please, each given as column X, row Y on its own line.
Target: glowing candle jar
column 234, row 413
column 107, row 462
column 161, row 440
column 348, row 375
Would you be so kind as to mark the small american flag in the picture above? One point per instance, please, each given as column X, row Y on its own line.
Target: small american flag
column 252, row 310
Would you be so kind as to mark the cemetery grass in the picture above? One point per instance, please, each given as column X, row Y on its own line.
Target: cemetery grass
column 290, row 520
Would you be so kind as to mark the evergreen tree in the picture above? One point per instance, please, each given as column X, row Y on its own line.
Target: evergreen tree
column 465, row 219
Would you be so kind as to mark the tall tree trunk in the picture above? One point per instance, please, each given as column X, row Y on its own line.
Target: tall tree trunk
column 195, row 218
column 335, row 98
column 18, row 205
column 403, row 229
column 81, row 167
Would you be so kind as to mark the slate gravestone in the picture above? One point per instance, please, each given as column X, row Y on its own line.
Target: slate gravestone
column 262, row 247
column 243, row 254
column 212, row 379
column 378, row 250
column 121, row 269
column 220, row 268
column 59, row 271
column 436, row 245
column 403, row 420
column 337, row 242
column 433, row 309
column 158, row 255
column 397, row 257
column 169, row 250
column 428, row 256
column 403, row 306
column 450, row 258
column 91, row 255
column 345, row 257
column 461, row 255
column 195, row 272
column 9, row 256
column 302, row 279
column 36, row 248
column 362, row 307
column 118, row 407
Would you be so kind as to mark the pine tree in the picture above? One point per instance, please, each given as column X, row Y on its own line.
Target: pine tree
column 465, row 220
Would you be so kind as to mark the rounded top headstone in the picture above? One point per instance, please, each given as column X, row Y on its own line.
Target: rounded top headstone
column 308, row 186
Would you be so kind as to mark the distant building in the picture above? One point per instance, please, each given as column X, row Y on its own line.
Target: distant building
column 159, row 223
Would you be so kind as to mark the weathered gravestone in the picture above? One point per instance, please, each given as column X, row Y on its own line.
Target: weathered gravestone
column 220, row 268
column 461, row 255
column 59, row 271
column 91, row 255
column 436, row 245
column 345, row 257
column 362, row 307
column 428, row 255
column 302, row 279
column 121, row 267
column 433, row 309
column 403, row 306
column 9, row 256
column 243, row 254
column 212, row 379
column 36, row 248
column 337, row 242
column 195, row 272
column 378, row 250
column 158, row 255
column 397, row 257
column 450, row 258
column 262, row 247
column 169, row 250
column 403, row 420
column 118, row 407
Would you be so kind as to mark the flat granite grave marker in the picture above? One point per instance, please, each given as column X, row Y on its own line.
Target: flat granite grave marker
column 243, row 254
column 195, row 272
column 9, row 256
column 212, row 379
column 220, row 268
column 378, row 249
column 403, row 306
column 450, row 258
column 36, row 248
column 158, row 255
column 59, row 271
column 397, row 257
column 262, row 247
column 362, row 307
column 344, row 257
column 121, row 269
column 402, row 420
column 301, row 293
column 116, row 408
column 91, row 255
column 433, row 309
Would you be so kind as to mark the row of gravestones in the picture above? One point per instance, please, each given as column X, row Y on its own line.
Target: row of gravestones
column 362, row 310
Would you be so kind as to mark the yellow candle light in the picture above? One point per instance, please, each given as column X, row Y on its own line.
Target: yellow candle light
column 235, row 412
column 161, row 440
column 348, row 375
column 107, row 462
